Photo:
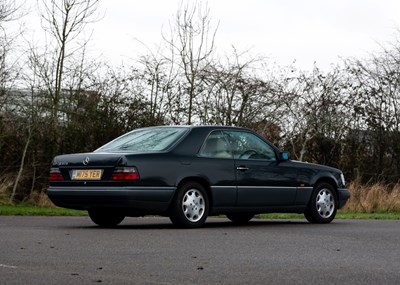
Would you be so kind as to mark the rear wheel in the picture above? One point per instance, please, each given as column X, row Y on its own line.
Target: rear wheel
column 190, row 206
column 323, row 204
column 240, row 218
column 106, row 219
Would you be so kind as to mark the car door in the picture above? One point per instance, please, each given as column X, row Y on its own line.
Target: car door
column 215, row 159
column 261, row 179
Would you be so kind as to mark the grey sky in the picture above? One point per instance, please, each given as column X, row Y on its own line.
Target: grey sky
column 282, row 30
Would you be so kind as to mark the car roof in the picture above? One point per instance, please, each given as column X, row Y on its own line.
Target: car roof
column 211, row 127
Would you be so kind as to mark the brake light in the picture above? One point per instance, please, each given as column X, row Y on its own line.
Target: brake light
column 55, row 175
column 125, row 174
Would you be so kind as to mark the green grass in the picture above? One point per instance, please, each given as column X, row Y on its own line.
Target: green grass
column 371, row 216
column 29, row 210
column 339, row 215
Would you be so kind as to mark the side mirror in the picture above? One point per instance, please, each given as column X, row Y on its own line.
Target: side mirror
column 284, row 155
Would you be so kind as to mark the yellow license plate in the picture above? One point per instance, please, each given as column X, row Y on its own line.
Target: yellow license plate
column 87, row 174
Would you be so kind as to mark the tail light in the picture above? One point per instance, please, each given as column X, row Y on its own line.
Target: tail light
column 125, row 174
column 55, row 174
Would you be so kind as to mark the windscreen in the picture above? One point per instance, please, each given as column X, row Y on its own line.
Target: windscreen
column 145, row 140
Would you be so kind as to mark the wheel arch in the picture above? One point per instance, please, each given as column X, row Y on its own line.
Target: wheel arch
column 327, row 179
column 203, row 182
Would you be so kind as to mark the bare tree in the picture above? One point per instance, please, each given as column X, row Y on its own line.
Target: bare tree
column 375, row 85
column 235, row 92
column 64, row 21
column 9, row 12
column 192, row 44
column 155, row 80
column 316, row 106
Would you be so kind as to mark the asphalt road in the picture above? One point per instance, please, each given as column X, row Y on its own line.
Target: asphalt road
column 71, row 250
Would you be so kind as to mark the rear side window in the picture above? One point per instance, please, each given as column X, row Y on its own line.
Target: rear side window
column 216, row 146
column 145, row 140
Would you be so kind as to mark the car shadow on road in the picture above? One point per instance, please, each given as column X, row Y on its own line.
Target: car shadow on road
column 213, row 223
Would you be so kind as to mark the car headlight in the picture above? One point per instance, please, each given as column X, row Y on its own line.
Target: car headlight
column 342, row 178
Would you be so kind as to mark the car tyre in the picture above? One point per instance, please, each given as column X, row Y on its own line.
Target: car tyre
column 323, row 204
column 190, row 206
column 106, row 219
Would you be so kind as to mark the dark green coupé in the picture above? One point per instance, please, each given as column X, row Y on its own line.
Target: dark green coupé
column 190, row 172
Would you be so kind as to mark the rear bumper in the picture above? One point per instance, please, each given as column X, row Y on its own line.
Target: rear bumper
column 344, row 195
column 134, row 198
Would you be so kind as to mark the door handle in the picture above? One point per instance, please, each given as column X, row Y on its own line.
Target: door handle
column 242, row 168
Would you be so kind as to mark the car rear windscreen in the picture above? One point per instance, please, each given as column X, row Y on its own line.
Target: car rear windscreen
column 145, row 140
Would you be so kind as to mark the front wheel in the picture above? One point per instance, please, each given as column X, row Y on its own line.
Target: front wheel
column 106, row 219
column 190, row 206
column 323, row 204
